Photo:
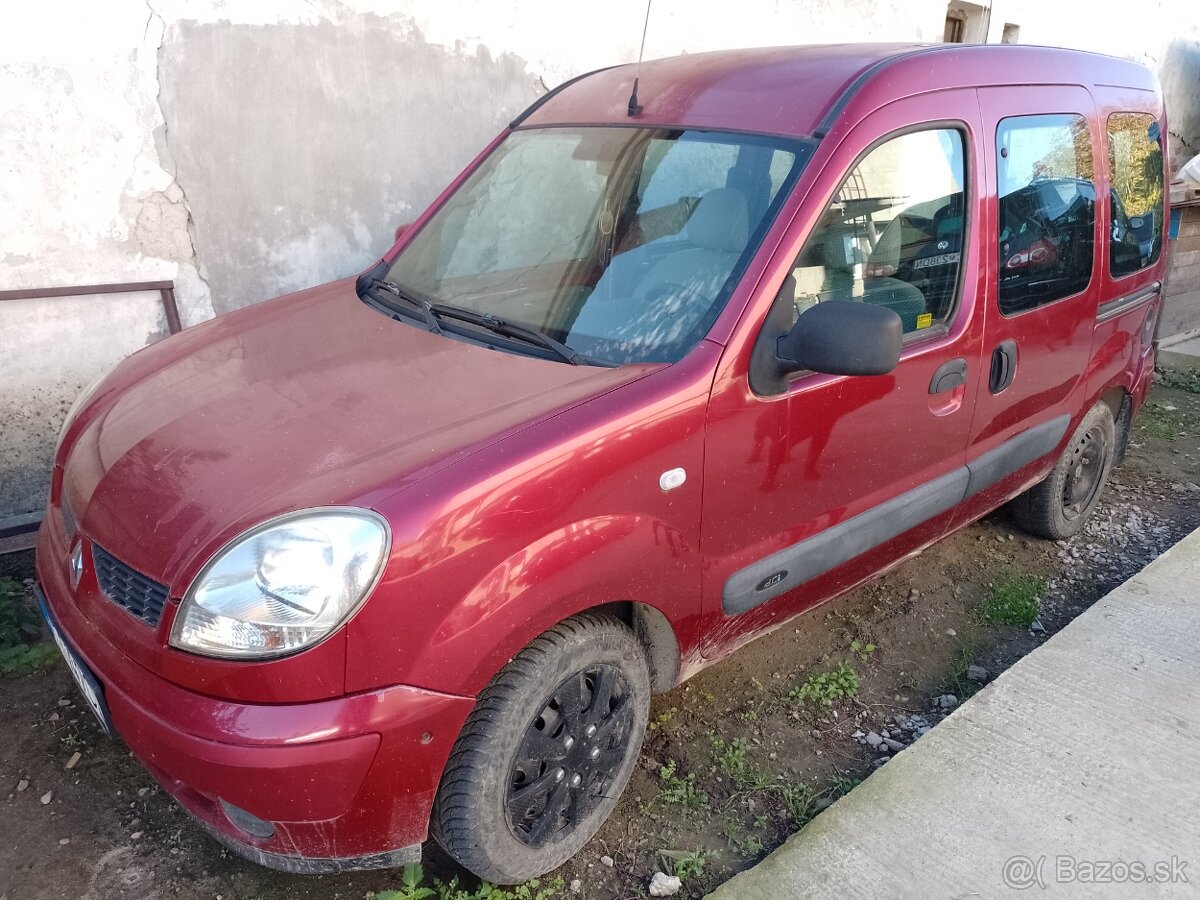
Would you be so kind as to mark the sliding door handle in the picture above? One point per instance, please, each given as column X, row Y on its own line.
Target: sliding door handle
column 1004, row 366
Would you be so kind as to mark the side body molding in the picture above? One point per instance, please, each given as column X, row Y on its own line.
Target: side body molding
column 1015, row 453
column 792, row 566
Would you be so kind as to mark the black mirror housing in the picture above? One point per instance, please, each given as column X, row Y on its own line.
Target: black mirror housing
column 841, row 337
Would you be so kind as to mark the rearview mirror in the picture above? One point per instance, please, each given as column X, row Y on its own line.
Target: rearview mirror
column 841, row 337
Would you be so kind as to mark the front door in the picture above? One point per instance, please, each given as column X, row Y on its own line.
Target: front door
column 830, row 479
column 1041, row 228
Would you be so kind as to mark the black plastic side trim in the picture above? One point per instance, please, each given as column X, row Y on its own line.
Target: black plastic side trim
column 816, row 555
column 537, row 104
column 1015, row 453
column 1114, row 308
column 791, row 567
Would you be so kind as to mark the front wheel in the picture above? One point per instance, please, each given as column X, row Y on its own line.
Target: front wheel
column 546, row 753
column 1058, row 506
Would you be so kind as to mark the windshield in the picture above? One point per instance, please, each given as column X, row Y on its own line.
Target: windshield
column 621, row 243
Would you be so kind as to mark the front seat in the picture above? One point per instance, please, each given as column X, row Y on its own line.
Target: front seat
column 668, row 304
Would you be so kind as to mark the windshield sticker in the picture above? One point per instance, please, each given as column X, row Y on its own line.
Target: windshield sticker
column 942, row 259
column 924, row 320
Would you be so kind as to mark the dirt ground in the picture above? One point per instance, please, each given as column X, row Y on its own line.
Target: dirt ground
column 737, row 758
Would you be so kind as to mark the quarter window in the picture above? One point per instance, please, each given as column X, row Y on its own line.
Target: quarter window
column 1135, row 173
column 1047, row 209
column 893, row 234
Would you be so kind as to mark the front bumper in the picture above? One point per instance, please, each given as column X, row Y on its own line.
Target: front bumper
column 338, row 784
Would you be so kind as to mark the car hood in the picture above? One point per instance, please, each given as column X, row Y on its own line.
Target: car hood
column 313, row 399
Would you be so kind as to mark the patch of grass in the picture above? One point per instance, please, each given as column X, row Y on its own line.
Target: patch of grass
column 1182, row 379
column 1165, row 421
column 960, row 685
column 842, row 785
column 800, row 803
column 827, row 688
column 1013, row 600
column 21, row 648
column 412, row 888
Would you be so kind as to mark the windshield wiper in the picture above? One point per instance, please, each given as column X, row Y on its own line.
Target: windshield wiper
column 426, row 308
column 506, row 328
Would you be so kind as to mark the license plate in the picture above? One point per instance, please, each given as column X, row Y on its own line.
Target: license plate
column 92, row 692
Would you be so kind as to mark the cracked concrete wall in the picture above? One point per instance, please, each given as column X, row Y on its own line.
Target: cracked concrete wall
column 303, row 146
column 85, row 198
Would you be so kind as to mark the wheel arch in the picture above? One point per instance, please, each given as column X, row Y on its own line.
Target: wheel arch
column 656, row 636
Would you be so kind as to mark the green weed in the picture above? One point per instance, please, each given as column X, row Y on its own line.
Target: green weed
column 21, row 649
column 861, row 650
column 662, row 719
column 684, row 865
column 413, row 877
column 827, row 688
column 960, row 685
column 1182, row 379
column 730, row 757
column 1013, row 600
column 742, row 840
column 674, row 790
column 410, row 886
column 800, row 803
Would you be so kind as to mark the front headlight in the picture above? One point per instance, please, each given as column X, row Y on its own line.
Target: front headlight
column 283, row 586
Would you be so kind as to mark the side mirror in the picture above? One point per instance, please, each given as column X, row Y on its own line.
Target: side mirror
column 400, row 229
column 841, row 337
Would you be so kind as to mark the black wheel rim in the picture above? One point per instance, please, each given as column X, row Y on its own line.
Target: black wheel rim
column 570, row 754
column 1084, row 475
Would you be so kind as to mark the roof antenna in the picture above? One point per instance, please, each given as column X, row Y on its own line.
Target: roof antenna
column 634, row 107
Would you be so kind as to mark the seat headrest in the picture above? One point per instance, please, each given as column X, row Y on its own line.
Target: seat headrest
column 842, row 253
column 720, row 221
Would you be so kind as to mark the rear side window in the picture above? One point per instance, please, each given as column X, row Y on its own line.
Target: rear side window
column 1135, row 172
column 1047, row 210
column 893, row 234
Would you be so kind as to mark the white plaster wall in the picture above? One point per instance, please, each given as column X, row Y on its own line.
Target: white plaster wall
column 85, row 196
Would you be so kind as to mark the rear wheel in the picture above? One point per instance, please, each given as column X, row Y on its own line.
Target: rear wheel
column 1058, row 506
column 546, row 753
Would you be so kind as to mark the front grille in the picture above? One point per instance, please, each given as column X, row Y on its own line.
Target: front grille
column 128, row 588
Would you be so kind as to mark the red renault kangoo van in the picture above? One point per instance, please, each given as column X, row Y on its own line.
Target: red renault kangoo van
column 408, row 553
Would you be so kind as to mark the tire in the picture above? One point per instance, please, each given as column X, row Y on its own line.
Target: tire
column 1057, row 506
column 537, row 737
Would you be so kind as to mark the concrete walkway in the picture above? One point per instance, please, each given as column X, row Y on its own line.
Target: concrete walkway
column 1183, row 354
column 1084, row 754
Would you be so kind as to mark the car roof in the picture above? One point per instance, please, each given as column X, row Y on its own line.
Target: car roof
column 799, row 91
